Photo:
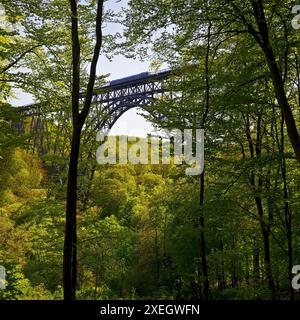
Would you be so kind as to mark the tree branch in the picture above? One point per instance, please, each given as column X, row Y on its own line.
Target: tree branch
column 75, row 62
column 90, row 86
column 12, row 64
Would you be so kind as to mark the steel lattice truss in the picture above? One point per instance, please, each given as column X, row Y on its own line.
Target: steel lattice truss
column 112, row 100
column 109, row 103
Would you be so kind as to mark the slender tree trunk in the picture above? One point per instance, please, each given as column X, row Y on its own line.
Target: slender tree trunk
column 288, row 221
column 157, row 256
column 222, row 284
column 70, row 245
column 96, row 283
column 203, row 263
column 265, row 225
column 256, row 273
column 78, row 120
column 287, row 211
column 266, row 243
column 255, row 152
column 264, row 41
column 204, row 269
column 262, row 38
column 247, row 277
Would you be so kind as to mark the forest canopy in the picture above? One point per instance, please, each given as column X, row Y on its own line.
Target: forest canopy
column 71, row 228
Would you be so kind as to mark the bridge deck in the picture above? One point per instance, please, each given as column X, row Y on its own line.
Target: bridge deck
column 117, row 84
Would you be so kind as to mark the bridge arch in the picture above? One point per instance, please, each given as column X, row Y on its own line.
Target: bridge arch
column 138, row 91
column 109, row 103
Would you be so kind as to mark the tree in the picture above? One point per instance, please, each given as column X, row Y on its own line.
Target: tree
column 262, row 37
column 78, row 120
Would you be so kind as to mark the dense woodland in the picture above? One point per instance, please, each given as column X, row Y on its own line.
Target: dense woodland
column 71, row 228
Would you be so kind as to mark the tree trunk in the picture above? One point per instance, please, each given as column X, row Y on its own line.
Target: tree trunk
column 266, row 243
column 222, row 280
column 78, row 120
column 288, row 219
column 157, row 257
column 265, row 225
column 256, row 273
column 70, row 245
column 203, row 258
column 203, row 263
column 287, row 212
column 264, row 41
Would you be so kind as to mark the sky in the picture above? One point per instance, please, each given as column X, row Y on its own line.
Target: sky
column 130, row 123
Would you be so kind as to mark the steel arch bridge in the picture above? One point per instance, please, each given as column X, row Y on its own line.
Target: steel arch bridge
column 111, row 101
column 137, row 91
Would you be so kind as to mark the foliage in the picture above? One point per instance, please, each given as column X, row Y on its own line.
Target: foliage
column 142, row 228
